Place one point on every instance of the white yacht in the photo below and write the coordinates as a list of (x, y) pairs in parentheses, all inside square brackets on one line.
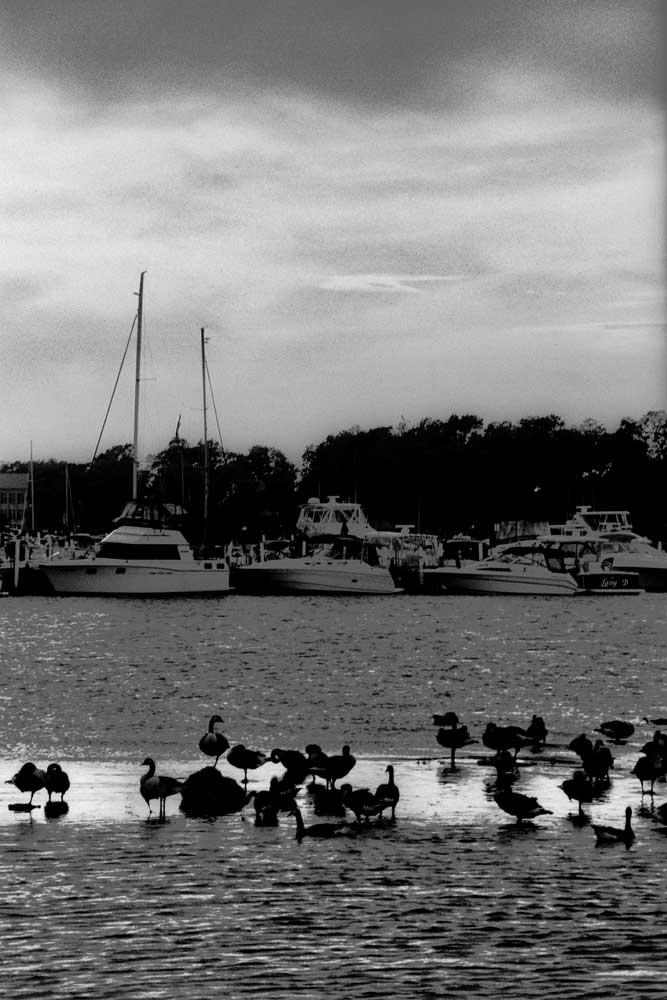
[(338, 565), (142, 556), (524, 567), (620, 546)]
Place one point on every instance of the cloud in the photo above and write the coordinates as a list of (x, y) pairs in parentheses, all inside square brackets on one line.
[(393, 283)]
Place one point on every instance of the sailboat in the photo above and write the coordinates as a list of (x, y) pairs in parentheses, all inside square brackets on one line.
[(141, 556)]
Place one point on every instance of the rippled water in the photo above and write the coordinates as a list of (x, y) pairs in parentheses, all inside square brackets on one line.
[(451, 898)]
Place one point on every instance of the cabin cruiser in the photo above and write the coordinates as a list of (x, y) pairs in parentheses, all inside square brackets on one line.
[(141, 557), (523, 567), (335, 565), (620, 546)]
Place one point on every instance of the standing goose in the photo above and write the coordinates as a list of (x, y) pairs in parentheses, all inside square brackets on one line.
[(57, 781), (246, 760), (338, 765), (157, 786), (360, 801), (453, 739), (649, 768), (613, 834), (578, 788), (294, 762), (521, 806), (537, 731), (213, 743), (317, 761), (388, 793), (29, 778)]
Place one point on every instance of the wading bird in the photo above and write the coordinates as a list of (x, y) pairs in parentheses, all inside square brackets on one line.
[(521, 806), (157, 786), (29, 778), (213, 743), (613, 834)]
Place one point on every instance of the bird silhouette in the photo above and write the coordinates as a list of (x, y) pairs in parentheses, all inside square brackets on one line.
[(318, 830), (213, 743), (649, 768), (157, 786), (616, 730), (57, 781), (578, 788), (388, 793), (615, 835), (246, 760), (537, 731), (581, 745), (453, 739), (29, 778), (338, 766), (520, 806), (504, 737)]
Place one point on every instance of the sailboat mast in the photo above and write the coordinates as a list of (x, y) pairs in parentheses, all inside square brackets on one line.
[(203, 376), (137, 380)]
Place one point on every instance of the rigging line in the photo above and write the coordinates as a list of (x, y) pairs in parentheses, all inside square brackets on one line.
[(215, 410), (113, 393)]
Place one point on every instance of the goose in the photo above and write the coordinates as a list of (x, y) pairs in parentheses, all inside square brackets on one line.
[(246, 760), (29, 778), (448, 720), (655, 722), (317, 761), (338, 766), (268, 802), (319, 830), (57, 781), (521, 806), (213, 743), (157, 786), (388, 793), (504, 737), (294, 762), (598, 763), (649, 768), (581, 745), (616, 730), (326, 801), (578, 788), (613, 834), (453, 740), (537, 731), (360, 801)]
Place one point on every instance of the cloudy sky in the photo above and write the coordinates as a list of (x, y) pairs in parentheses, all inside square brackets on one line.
[(379, 209)]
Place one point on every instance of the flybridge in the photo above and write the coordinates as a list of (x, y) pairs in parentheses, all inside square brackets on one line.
[(586, 520)]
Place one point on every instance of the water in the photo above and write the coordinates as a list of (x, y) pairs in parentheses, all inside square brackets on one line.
[(453, 897)]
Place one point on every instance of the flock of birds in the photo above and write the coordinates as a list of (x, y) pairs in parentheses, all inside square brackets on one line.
[(587, 782)]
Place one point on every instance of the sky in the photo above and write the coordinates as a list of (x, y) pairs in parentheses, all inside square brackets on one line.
[(379, 211)]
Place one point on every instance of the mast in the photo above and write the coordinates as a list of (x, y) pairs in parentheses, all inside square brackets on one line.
[(203, 377), (135, 442)]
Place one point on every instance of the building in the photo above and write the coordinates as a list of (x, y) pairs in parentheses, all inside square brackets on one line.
[(13, 498)]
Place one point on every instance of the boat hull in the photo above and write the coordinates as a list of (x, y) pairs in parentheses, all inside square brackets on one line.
[(295, 576), (609, 582), (493, 582), (86, 577)]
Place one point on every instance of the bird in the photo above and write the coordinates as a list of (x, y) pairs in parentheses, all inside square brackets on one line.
[(319, 830), (521, 806), (453, 739), (317, 761), (388, 793), (581, 745), (268, 802), (213, 743), (449, 720), (246, 760), (29, 778), (649, 768), (578, 788), (157, 786), (57, 781), (616, 730), (504, 737), (613, 834), (655, 722), (338, 765), (537, 731), (360, 801), (294, 762), (326, 801), (598, 762)]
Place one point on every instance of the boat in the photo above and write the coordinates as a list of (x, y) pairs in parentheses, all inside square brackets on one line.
[(143, 556), (620, 546), (525, 567), (335, 565)]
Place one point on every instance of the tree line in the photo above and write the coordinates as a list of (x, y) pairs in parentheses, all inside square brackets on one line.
[(442, 476)]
